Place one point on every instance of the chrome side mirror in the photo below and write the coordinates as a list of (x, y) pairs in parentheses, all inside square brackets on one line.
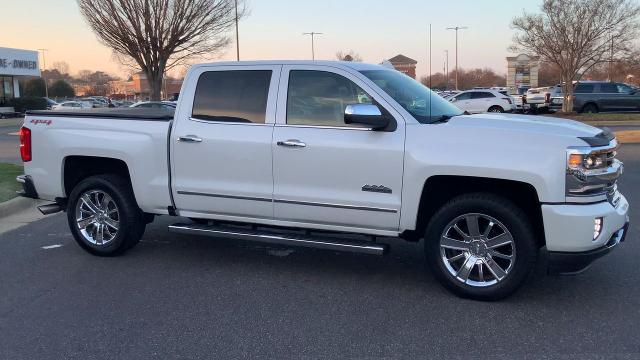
[(365, 114)]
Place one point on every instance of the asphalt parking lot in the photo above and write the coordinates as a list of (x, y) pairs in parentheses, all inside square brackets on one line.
[(186, 297)]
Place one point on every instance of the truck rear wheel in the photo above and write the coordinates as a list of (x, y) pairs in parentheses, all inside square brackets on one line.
[(103, 215), (480, 246)]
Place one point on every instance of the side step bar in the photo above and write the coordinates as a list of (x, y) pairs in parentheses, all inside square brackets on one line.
[(272, 237)]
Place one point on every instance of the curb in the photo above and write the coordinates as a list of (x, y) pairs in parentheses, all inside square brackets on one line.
[(15, 205), (628, 136), (611, 122)]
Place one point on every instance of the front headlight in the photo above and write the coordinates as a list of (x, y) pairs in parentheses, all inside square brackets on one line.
[(589, 161), (592, 173)]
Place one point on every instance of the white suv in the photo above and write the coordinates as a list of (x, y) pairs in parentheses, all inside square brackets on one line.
[(481, 101)]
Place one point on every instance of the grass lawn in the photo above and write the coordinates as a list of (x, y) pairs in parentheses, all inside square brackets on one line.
[(8, 183), (614, 119), (626, 119)]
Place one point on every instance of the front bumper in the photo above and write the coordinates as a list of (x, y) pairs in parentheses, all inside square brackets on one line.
[(569, 232), (572, 263)]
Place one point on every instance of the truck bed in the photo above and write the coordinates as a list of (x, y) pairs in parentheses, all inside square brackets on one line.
[(115, 113), (136, 137)]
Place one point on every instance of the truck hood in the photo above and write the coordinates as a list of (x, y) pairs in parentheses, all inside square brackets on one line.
[(528, 124)]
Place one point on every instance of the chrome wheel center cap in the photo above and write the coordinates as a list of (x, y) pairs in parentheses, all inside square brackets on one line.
[(478, 248)]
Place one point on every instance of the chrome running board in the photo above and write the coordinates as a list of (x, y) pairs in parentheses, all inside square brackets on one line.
[(271, 236)]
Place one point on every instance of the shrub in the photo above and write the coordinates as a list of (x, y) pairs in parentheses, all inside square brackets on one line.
[(34, 87), (27, 103)]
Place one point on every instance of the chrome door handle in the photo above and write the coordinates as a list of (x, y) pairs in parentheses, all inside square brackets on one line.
[(292, 143), (190, 138)]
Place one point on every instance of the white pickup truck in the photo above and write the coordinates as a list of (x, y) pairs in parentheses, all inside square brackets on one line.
[(336, 156)]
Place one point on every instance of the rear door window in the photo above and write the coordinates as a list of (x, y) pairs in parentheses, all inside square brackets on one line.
[(608, 88), (238, 96), (584, 89), (481, 95)]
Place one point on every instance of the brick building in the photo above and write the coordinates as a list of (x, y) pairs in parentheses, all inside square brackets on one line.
[(404, 64), (137, 88)]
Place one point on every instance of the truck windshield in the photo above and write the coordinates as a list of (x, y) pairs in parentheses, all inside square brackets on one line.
[(425, 105)]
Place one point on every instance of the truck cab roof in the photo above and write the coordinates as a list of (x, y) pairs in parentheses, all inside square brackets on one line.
[(357, 66)]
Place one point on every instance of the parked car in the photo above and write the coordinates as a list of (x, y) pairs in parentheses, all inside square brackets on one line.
[(124, 103), (540, 98), (481, 101), (334, 155), (95, 103), (72, 105), (154, 105), (50, 103), (597, 96)]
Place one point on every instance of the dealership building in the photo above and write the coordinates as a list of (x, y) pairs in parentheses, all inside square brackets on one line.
[(15, 64), (522, 73)]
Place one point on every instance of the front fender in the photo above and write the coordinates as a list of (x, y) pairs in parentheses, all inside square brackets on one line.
[(530, 158)]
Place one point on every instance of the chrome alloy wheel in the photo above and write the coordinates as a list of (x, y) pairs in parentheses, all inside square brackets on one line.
[(97, 217), (477, 249)]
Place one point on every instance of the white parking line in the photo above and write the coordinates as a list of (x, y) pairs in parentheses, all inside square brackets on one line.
[(52, 246)]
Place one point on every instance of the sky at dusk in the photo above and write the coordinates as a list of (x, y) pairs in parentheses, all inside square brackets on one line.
[(376, 30)]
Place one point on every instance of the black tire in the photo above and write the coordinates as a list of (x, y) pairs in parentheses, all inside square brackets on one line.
[(508, 215), (590, 109), (496, 109), (131, 220)]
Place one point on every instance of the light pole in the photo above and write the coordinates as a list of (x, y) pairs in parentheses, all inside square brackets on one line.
[(446, 68), (44, 67), (237, 34), (456, 29), (313, 50)]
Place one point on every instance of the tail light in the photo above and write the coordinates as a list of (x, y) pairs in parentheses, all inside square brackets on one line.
[(508, 100), (547, 98), (25, 144)]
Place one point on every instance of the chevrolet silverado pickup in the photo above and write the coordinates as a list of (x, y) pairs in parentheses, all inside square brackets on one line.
[(337, 156)]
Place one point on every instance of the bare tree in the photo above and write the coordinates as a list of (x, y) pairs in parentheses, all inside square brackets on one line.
[(61, 66), (575, 35), (84, 76), (157, 35), (348, 56)]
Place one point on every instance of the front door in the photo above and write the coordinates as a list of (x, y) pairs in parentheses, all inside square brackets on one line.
[(464, 102), (221, 149), (328, 173)]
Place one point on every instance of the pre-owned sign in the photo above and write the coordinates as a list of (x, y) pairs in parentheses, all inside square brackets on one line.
[(16, 62)]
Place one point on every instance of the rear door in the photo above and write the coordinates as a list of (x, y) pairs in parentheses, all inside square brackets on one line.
[(481, 101), (221, 147), (328, 173)]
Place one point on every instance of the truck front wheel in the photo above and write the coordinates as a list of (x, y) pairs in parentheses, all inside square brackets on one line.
[(103, 215), (480, 246)]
